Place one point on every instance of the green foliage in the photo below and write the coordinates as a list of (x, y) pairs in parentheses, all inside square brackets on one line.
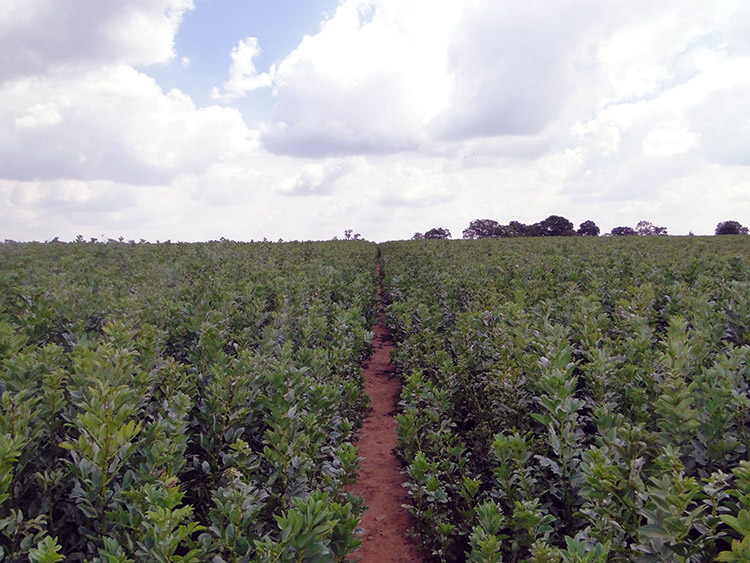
[(564, 399), (485, 539), (172, 402), (46, 551), (314, 529), (597, 390)]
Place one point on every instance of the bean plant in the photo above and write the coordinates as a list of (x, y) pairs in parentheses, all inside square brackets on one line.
[(595, 390), (182, 402)]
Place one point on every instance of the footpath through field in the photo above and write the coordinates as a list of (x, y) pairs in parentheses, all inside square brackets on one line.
[(380, 480)]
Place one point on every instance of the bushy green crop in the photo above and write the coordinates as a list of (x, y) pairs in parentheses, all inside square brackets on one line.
[(181, 402), (574, 400)]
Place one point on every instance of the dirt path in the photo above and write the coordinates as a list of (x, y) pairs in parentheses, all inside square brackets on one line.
[(380, 479)]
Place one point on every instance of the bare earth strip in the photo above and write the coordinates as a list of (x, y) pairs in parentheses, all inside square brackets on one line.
[(380, 480)]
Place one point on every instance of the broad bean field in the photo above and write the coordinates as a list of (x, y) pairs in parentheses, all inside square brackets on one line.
[(564, 399), (575, 399), (181, 402)]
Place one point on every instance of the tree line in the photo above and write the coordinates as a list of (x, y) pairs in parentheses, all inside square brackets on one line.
[(556, 226)]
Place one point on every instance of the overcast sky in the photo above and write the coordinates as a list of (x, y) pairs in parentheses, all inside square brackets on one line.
[(296, 119)]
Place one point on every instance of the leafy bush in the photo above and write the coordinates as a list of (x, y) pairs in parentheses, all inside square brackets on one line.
[(181, 402), (574, 400)]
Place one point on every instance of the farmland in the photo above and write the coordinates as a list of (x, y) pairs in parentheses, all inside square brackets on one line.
[(181, 402), (567, 399), (575, 399)]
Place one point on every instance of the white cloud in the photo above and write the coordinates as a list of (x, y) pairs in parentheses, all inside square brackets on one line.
[(414, 183), (243, 76), (669, 142), (366, 83), (319, 178), (65, 208), (723, 120), (42, 114), (514, 66), (37, 36), (676, 97), (396, 116), (112, 123)]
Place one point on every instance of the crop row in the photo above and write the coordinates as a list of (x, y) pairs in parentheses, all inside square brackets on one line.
[(181, 402), (575, 400)]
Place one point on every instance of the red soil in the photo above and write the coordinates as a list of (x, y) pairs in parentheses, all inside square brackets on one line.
[(380, 480)]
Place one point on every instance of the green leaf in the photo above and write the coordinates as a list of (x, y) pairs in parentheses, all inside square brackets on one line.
[(46, 551), (652, 531)]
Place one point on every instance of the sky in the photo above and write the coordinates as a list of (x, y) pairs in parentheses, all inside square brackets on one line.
[(191, 120)]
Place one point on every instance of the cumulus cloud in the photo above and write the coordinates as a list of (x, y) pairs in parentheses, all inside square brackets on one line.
[(65, 208), (111, 123), (243, 76), (71, 197), (722, 122), (40, 35), (319, 178), (385, 77), (89, 144), (420, 114), (411, 74), (669, 142), (662, 112), (513, 66), (366, 83)]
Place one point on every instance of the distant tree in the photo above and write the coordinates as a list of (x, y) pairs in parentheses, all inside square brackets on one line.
[(730, 228), (483, 228), (437, 233), (644, 228), (623, 232), (348, 234), (533, 230), (417, 236), (588, 229), (647, 228), (515, 229), (556, 226)]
